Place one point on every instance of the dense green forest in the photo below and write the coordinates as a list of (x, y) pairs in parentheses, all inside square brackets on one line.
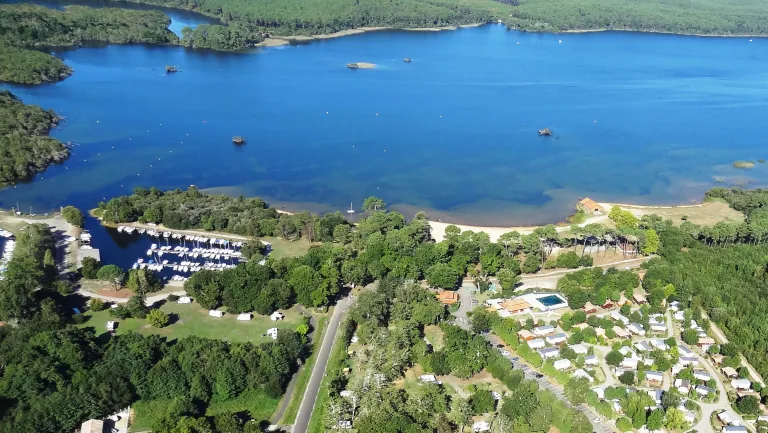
[(25, 147), (706, 17), (24, 29), (312, 17), (306, 17), (20, 65)]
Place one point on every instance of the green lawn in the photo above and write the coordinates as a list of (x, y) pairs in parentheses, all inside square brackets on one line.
[(191, 319), (283, 248), (289, 417)]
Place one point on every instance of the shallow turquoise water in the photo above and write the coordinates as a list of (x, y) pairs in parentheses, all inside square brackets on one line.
[(638, 118)]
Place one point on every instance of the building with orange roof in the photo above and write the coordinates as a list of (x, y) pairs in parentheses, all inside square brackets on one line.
[(588, 205), (517, 306), (447, 297)]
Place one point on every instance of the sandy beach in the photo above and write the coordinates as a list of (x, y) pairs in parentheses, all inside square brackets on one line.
[(283, 40)]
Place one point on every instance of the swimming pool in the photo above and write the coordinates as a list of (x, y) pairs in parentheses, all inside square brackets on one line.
[(551, 300)]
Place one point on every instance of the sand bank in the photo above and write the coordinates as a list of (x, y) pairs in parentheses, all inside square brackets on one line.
[(283, 40)]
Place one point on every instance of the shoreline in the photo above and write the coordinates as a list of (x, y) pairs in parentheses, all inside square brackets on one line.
[(658, 32), (277, 41), (438, 227)]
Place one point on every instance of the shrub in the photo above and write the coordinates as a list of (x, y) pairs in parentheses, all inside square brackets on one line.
[(90, 268), (627, 378), (624, 424), (96, 304), (172, 298), (157, 318)]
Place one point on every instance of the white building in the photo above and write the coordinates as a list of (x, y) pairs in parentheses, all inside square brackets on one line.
[(600, 391), (562, 364), (741, 384), (658, 327), (701, 375), (654, 377), (679, 316), (734, 429), (659, 344), (428, 378), (629, 363), (111, 325), (704, 390), (582, 373), (689, 360), (245, 316), (729, 418), (619, 318), (684, 351), (272, 333), (643, 346), (543, 330), (216, 313), (536, 343), (590, 360), (276, 316), (636, 328), (579, 349), (481, 426), (683, 385), (556, 338), (185, 300), (627, 352), (549, 353)]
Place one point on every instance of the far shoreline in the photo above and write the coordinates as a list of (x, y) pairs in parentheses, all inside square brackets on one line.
[(494, 232)]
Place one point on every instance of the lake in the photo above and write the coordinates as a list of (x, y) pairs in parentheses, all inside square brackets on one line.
[(641, 118)]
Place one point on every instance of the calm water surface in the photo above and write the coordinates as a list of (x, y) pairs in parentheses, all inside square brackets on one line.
[(637, 117)]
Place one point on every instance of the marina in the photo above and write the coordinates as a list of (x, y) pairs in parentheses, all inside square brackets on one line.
[(175, 256), (8, 244)]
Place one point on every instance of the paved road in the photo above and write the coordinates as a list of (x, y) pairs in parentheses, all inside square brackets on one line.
[(594, 417), (549, 279), (318, 372)]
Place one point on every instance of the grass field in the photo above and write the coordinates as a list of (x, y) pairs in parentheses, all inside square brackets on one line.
[(289, 417), (191, 319), (435, 336), (708, 214), (284, 248)]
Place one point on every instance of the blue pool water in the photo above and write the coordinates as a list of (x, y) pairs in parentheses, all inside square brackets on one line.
[(550, 300)]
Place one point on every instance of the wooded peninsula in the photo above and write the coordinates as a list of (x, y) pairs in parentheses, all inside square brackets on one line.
[(25, 147)]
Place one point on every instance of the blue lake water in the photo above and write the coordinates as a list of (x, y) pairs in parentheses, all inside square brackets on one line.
[(640, 118)]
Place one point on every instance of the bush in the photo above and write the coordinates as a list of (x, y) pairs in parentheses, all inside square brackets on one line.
[(73, 216), (120, 312), (586, 261), (172, 298), (568, 260), (64, 287), (624, 424), (96, 304), (157, 318), (627, 378), (136, 307)]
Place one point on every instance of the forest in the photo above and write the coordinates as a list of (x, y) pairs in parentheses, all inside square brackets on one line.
[(312, 17), (25, 147), (701, 17), (307, 17)]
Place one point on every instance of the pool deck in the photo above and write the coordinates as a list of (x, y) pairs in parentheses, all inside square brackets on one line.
[(533, 299)]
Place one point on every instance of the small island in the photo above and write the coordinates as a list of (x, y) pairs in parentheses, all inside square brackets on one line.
[(546, 132), (169, 69), (361, 65), (407, 60), (743, 164), (238, 139)]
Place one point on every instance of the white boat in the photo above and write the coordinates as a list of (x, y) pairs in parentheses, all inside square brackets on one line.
[(350, 210), (120, 228), (165, 262), (135, 266), (153, 246), (149, 252), (140, 261)]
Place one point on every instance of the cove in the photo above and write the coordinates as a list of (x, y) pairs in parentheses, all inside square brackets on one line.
[(179, 18), (640, 118)]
